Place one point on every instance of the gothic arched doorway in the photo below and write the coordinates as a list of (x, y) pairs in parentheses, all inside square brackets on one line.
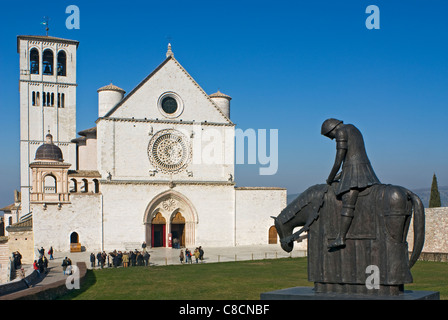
[(158, 231), (177, 230), (181, 215)]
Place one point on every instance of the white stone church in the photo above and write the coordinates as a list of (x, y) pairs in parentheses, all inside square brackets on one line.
[(147, 171)]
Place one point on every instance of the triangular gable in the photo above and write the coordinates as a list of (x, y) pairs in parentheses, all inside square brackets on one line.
[(152, 75)]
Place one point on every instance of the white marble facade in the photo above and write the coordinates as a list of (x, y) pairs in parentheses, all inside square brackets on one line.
[(158, 165)]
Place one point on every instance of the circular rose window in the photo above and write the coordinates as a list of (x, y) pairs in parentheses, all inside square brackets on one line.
[(170, 105), (169, 151)]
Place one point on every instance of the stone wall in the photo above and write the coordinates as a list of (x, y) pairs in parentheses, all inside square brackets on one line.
[(4, 259), (436, 230), (23, 242), (254, 207)]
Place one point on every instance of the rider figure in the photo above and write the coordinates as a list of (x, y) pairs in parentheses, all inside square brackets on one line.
[(356, 174)]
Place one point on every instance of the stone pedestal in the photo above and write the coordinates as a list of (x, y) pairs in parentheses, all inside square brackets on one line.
[(308, 293)]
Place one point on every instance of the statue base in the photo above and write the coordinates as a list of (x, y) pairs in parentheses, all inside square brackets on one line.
[(308, 293)]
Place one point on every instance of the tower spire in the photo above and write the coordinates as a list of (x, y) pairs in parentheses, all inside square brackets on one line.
[(169, 52)]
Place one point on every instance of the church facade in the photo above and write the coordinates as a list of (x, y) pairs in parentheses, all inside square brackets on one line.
[(157, 167)]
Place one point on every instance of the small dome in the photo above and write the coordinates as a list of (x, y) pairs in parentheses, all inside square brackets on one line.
[(111, 87), (219, 94), (49, 151)]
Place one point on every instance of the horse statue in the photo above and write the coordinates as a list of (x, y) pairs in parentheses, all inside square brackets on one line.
[(377, 237)]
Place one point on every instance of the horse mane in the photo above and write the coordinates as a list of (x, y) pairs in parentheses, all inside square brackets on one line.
[(311, 196)]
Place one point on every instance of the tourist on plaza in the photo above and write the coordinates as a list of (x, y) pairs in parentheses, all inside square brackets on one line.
[(201, 254), (146, 256), (188, 256), (125, 260), (36, 267), (196, 254), (99, 258), (45, 264), (181, 256), (50, 253), (92, 260), (64, 265), (139, 259), (17, 258)]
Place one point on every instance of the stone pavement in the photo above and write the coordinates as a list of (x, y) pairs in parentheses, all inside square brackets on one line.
[(169, 256)]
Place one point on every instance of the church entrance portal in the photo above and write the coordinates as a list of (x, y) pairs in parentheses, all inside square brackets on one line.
[(158, 229), (177, 230), (170, 220)]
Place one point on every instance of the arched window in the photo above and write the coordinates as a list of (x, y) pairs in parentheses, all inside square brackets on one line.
[(33, 99), (96, 185), (74, 237), (34, 61), (62, 63), (272, 235), (73, 185), (37, 98), (85, 186), (50, 184), (47, 63)]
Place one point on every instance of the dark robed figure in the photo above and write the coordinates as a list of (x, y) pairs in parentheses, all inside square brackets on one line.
[(356, 174)]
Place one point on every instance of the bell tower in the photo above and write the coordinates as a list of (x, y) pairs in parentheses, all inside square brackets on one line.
[(47, 86)]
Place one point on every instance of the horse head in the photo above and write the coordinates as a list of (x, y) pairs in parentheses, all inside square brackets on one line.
[(286, 241)]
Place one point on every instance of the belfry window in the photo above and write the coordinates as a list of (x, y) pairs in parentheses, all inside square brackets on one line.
[(34, 61), (50, 184), (47, 62), (62, 63)]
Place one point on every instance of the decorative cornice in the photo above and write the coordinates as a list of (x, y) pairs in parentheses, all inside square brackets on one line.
[(34, 82), (167, 183), (166, 121), (44, 164)]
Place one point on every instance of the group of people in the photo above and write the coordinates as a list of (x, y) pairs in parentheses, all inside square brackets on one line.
[(198, 254), (41, 265), (119, 258)]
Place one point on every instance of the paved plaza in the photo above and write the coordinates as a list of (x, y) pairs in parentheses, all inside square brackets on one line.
[(169, 256)]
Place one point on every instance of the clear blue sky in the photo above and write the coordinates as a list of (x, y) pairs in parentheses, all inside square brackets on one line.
[(288, 65)]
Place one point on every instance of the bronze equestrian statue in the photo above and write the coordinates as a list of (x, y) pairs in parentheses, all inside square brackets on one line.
[(354, 222)]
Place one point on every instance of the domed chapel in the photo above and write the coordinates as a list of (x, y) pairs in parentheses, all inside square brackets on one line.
[(144, 172)]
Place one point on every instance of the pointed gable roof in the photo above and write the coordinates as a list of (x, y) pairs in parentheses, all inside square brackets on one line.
[(168, 58)]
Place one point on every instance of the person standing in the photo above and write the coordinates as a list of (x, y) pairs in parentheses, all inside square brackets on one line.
[(92, 260), (64, 265), (50, 253), (146, 257), (36, 267), (196, 254), (125, 260), (187, 255), (181, 256), (201, 254)]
